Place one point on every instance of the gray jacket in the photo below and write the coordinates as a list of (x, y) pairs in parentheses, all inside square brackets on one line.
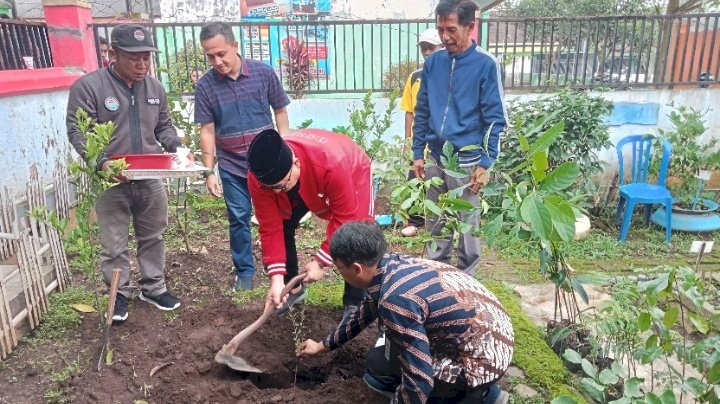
[(140, 113)]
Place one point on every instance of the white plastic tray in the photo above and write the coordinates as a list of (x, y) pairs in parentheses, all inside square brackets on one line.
[(159, 174)]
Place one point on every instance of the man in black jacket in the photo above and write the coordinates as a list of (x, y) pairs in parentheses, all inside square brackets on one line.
[(137, 103)]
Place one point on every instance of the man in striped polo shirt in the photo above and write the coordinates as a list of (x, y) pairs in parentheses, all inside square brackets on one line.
[(234, 102), (447, 337)]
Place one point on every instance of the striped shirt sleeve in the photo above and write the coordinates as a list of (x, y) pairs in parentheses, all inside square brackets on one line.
[(352, 325)]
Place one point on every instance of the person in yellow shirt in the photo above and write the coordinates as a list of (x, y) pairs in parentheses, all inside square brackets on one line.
[(429, 41)]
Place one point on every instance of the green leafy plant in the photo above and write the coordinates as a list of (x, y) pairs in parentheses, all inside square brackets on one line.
[(689, 154), (305, 124), (583, 135), (367, 127), (668, 305), (605, 386), (90, 183), (615, 324), (535, 210), (180, 66)]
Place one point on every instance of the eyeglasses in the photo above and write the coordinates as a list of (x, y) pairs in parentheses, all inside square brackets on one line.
[(279, 187)]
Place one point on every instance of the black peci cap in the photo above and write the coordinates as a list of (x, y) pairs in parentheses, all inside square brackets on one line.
[(269, 157)]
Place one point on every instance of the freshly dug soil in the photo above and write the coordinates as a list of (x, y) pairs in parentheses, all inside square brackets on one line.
[(186, 341)]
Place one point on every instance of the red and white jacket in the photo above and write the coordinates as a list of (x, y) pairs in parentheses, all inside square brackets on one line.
[(335, 184)]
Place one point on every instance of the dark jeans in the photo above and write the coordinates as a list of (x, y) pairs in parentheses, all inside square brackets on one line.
[(237, 201), (352, 295), (387, 374)]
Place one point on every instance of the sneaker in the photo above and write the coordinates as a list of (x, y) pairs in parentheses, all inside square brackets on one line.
[(164, 301), (377, 386), (409, 231), (243, 283), (294, 298), (121, 308)]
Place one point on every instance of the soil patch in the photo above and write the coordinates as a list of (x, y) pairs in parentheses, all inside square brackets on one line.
[(183, 343)]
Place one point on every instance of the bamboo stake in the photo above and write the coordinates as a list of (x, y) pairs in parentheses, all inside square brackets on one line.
[(5, 339)]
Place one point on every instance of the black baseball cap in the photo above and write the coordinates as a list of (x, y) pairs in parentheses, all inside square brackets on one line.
[(132, 38)]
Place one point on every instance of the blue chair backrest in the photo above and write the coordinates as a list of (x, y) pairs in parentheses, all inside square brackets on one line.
[(641, 157)]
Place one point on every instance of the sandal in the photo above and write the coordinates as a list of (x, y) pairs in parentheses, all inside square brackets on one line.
[(293, 298), (409, 231)]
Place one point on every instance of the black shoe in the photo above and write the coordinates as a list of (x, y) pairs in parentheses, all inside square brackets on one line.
[(293, 298), (163, 301), (121, 308)]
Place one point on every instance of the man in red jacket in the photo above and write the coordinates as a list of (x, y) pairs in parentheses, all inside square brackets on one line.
[(309, 170)]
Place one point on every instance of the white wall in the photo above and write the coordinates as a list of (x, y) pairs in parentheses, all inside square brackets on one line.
[(32, 134), (327, 113)]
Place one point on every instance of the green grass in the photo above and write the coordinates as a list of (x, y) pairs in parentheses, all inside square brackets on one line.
[(603, 252), (61, 317), (243, 297), (532, 354), (72, 368), (326, 293), (57, 396), (207, 202)]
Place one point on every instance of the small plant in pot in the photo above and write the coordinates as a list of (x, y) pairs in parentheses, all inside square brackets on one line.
[(691, 165)]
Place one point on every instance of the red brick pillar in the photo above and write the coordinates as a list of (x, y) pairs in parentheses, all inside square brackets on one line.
[(70, 33)]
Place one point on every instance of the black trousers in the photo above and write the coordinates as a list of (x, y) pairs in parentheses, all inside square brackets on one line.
[(352, 296), (388, 373)]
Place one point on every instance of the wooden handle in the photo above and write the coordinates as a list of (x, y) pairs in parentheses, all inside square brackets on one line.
[(114, 284), (232, 346)]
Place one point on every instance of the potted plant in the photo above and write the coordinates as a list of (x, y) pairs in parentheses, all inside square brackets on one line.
[(691, 165)]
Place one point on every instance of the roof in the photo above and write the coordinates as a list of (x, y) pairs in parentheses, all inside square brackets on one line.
[(32, 9)]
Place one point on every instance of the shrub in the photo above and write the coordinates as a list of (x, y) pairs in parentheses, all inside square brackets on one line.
[(396, 76), (181, 64), (689, 155), (584, 134)]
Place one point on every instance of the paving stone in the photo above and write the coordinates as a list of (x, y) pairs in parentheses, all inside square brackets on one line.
[(514, 372), (524, 391)]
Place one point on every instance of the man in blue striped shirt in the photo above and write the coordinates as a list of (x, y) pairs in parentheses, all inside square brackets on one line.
[(233, 103), (447, 337)]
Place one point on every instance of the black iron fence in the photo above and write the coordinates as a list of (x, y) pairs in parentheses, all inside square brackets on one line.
[(589, 52), (24, 45), (539, 53), (309, 57)]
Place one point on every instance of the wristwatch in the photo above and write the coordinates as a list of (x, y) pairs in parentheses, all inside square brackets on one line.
[(208, 173)]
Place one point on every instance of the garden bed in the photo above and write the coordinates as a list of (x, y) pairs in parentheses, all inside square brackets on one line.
[(185, 342)]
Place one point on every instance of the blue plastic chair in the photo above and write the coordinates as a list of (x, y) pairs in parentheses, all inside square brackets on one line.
[(637, 190)]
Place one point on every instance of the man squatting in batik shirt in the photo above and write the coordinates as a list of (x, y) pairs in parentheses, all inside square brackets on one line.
[(447, 337)]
